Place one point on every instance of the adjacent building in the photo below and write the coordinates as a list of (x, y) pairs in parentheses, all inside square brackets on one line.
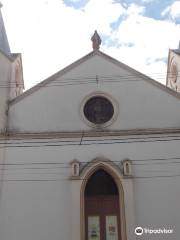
[(173, 69)]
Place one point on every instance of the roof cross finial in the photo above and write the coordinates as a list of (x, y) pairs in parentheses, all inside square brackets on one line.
[(96, 41)]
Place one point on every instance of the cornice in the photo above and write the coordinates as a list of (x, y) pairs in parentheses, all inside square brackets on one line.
[(78, 134)]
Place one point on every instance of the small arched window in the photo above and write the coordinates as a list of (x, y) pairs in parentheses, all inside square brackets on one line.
[(101, 183)]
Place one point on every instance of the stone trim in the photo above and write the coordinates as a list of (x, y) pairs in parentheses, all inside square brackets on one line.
[(115, 172), (107, 96), (92, 133)]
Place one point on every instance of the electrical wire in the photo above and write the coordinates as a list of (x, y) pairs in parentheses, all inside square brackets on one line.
[(82, 138), (93, 142), (81, 80), (67, 179), (93, 80), (109, 76), (89, 162), (59, 165)]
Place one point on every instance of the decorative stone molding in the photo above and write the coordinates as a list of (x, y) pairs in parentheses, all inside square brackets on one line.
[(126, 196), (110, 99), (127, 168), (114, 170), (75, 168)]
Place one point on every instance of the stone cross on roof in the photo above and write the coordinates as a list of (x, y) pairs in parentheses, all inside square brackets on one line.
[(96, 41)]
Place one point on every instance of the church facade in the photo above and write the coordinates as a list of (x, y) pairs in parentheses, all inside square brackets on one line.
[(91, 153)]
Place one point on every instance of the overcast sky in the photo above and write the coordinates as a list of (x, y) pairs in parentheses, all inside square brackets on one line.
[(51, 34)]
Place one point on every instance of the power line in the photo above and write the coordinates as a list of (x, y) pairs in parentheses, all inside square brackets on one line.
[(33, 168), (59, 164), (67, 179), (169, 73), (155, 163), (83, 136), (92, 142), (83, 80)]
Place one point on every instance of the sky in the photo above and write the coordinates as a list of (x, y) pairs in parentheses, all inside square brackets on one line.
[(51, 34)]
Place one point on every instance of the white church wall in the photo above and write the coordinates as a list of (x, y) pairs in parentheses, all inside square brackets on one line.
[(5, 71), (48, 209), (39, 199), (157, 208), (56, 108)]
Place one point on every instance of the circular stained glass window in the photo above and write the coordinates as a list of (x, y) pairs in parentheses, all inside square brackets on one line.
[(98, 110)]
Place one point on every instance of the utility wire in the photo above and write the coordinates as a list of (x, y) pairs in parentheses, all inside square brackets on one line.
[(82, 80), (67, 165), (109, 76), (90, 139), (92, 142), (67, 179)]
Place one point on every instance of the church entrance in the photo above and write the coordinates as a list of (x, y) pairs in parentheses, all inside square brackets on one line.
[(102, 211)]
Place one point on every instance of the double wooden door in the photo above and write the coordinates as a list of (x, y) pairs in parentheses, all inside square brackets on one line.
[(102, 217)]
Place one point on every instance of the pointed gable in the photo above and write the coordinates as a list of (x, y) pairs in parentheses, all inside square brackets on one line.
[(56, 104)]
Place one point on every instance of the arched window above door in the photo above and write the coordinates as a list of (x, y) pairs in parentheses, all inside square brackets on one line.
[(101, 183)]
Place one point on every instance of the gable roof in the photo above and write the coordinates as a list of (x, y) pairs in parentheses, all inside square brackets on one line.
[(12, 57), (85, 58), (177, 51)]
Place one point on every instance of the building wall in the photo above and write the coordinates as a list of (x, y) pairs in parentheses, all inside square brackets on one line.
[(39, 201), (38, 197), (56, 106), (5, 76)]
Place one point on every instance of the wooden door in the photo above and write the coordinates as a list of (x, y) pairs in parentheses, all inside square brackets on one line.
[(102, 217), (102, 211)]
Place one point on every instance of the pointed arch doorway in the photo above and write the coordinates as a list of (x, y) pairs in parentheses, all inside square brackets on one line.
[(102, 210)]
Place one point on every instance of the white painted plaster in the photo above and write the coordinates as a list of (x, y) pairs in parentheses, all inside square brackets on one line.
[(56, 108)]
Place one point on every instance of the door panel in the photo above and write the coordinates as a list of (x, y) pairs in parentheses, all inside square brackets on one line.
[(111, 228), (106, 209), (93, 228)]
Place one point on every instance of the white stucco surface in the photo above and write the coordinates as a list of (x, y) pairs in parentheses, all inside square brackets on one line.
[(56, 106), (5, 73), (39, 200)]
